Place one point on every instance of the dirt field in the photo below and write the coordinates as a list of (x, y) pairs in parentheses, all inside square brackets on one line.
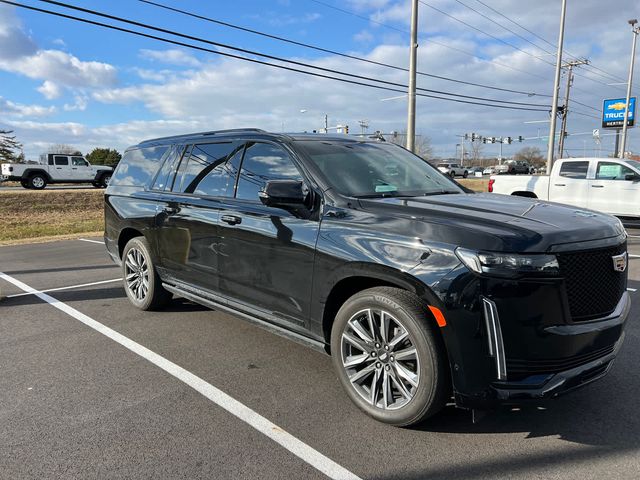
[(27, 215)]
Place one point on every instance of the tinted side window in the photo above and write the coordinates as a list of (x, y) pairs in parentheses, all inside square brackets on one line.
[(206, 172), (138, 166), (612, 171), (262, 162), (574, 169), (61, 160), (78, 161), (165, 175)]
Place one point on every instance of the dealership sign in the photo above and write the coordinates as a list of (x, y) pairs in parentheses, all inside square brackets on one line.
[(613, 111)]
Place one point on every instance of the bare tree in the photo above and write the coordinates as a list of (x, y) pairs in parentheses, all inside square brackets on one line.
[(64, 149), (533, 155), (422, 144)]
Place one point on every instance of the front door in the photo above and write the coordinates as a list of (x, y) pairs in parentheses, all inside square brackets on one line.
[(609, 192), (267, 254), (80, 169)]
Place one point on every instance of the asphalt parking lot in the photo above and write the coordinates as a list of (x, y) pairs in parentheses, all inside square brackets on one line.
[(78, 400)]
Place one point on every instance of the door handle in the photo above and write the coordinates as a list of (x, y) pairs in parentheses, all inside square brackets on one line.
[(560, 184), (231, 219), (597, 186), (74, 168)]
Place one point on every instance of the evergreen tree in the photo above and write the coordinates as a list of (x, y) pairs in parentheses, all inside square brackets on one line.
[(104, 156), (9, 146)]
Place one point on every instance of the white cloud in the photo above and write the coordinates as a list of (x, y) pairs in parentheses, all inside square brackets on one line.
[(172, 56), (49, 90), (9, 108), (363, 36), (79, 104), (19, 54)]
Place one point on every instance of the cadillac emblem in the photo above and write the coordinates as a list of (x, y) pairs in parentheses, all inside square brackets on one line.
[(620, 262)]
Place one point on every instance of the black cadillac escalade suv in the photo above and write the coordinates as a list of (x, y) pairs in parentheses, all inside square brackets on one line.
[(420, 290)]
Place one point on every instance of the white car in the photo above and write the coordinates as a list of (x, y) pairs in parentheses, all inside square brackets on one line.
[(489, 171), (453, 169)]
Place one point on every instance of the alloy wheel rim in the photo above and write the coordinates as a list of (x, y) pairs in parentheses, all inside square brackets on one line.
[(380, 359), (38, 182), (137, 274)]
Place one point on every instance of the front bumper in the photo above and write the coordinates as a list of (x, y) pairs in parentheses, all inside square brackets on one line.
[(583, 370)]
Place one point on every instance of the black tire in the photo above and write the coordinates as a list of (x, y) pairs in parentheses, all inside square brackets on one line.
[(37, 181), (96, 184), (465, 174), (155, 297), (452, 174), (105, 179), (25, 184), (431, 365)]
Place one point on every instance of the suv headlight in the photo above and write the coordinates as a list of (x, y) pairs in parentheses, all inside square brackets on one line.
[(509, 264)]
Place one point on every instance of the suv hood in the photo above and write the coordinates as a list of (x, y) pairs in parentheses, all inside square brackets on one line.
[(497, 222)]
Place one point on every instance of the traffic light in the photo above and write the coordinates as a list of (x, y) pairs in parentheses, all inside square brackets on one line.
[(521, 138), (346, 129)]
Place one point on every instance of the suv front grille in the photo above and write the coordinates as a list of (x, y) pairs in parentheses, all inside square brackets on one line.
[(593, 287), (518, 369)]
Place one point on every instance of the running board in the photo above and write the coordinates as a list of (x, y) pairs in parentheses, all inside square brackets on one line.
[(270, 327)]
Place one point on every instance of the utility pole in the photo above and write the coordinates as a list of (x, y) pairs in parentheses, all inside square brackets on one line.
[(556, 90), (411, 110), (565, 111), (635, 30)]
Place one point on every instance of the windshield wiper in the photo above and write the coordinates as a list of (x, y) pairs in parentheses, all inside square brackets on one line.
[(384, 195)]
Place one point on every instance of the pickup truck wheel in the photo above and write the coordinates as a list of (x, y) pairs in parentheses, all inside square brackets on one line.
[(465, 174), (141, 281), (105, 180), (25, 184), (388, 356), (37, 181)]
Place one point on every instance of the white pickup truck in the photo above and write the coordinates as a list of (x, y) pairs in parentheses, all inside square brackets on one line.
[(57, 168), (607, 185)]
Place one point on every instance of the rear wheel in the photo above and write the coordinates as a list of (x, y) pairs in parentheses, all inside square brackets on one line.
[(465, 174), (388, 356), (37, 181), (141, 281)]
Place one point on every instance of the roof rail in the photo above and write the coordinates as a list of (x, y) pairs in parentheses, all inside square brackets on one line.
[(196, 134)]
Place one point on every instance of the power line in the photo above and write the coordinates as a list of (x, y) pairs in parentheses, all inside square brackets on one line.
[(539, 37), (435, 42), (226, 54), (332, 52), (280, 59)]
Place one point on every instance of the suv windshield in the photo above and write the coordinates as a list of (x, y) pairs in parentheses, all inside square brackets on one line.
[(376, 170)]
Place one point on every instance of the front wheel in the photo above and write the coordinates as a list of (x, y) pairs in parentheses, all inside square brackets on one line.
[(141, 281), (388, 356), (105, 180)]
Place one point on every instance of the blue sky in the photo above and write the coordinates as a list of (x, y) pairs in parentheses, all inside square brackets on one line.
[(66, 82)]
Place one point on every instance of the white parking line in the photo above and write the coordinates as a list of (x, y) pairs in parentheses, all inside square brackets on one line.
[(300, 449), (71, 287), (91, 241)]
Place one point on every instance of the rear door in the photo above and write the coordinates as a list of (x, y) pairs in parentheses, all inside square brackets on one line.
[(61, 168), (609, 192), (188, 236), (266, 255), (570, 186)]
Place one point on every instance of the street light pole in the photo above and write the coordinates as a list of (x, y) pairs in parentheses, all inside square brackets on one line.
[(411, 109), (556, 91), (623, 142)]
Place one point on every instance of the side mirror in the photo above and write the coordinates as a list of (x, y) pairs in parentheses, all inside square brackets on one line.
[(633, 177), (284, 194)]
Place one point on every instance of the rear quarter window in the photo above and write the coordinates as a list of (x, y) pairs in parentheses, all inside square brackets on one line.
[(577, 170), (138, 166)]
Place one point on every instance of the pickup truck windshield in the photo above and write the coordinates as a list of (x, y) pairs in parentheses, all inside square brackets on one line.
[(370, 170)]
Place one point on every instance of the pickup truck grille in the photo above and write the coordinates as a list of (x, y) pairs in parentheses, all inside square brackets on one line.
[(593, 287)]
